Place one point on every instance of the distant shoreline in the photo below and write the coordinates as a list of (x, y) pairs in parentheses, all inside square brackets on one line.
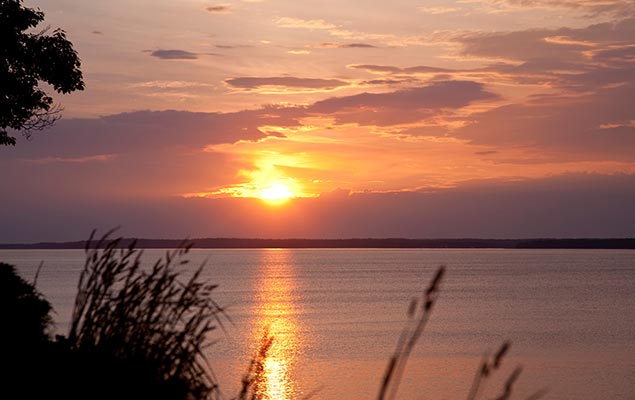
[(391, 243)]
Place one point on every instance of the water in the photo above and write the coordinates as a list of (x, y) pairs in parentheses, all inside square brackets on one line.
[(336, 316)]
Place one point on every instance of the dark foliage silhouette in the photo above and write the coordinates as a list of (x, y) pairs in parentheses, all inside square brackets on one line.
[(146, 319), (24, 336), (23, 310), (28, 58), (137, 332)]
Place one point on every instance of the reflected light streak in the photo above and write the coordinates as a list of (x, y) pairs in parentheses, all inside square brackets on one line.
[(275, 314)]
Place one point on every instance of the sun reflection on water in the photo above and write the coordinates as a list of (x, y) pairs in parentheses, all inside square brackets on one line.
[(276, 315)]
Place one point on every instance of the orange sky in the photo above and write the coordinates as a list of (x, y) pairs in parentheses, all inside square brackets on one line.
[(197, 99)]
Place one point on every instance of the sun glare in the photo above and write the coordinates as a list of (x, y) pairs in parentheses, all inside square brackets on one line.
[(276, 193)]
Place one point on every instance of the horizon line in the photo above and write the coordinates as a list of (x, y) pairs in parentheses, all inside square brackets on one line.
[(389, 242)]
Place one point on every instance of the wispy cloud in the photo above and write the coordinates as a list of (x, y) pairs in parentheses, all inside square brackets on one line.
[(383, 69), (331, 45), (285, 81), (232, 46), (299, 52), (316, 24), (72, 160), (355, 36), (174, 54), (439, 10), (169, 84), (590, 8), (219, 9)]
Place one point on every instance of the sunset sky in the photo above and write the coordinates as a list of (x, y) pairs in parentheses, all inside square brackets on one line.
[(313, 119)]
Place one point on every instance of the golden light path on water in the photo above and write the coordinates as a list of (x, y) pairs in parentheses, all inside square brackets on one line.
[(275, 316)]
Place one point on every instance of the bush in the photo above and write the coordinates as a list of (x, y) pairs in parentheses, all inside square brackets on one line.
[(136, 333)]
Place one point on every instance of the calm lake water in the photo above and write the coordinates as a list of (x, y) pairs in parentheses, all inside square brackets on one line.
[(336, 315)]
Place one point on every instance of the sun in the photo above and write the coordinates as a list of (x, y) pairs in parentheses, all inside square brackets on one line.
[(276, 193)]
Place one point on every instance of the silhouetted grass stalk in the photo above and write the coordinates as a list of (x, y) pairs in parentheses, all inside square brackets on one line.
[(252, 381), (146, 315), (409, 337), (418, 316)]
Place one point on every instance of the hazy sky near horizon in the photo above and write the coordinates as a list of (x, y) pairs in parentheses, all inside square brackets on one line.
[(446, 118)]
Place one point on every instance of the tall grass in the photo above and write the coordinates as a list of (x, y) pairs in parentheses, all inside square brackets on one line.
[(419, 313), (147, 317), (253, 379)]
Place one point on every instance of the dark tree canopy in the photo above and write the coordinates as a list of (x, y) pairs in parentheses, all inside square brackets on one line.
[(27, 59)]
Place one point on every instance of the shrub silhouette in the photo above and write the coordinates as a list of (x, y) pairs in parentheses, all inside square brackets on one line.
[(146, 324), (136, 333), (24, 337), (25, 312)]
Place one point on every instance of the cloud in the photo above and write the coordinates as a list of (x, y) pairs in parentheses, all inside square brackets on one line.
[(439, 10), (285, 81), (590, 74), (357, 46), (330, 45), (232, 46), (579, 59), (590, 8), (591, 127), (219, 9), (564, 44), (382, 69), (378, 69), (386, 82), (314, 24), (623, 55), (452, 94), (299, 51), (73, 160), (168, 85), (355, 36), (587, 78), (551, 207), (402, 106), (174, 55), (148, 132)]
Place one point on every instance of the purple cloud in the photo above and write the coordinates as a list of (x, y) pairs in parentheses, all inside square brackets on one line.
[(595, 127), (174, 55), (285, 81), (218, 9), (591, 8), (402, 106), (398, 70), (330, 45)]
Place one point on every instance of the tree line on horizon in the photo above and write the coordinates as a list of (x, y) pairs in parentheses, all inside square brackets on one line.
[(211, 243)]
